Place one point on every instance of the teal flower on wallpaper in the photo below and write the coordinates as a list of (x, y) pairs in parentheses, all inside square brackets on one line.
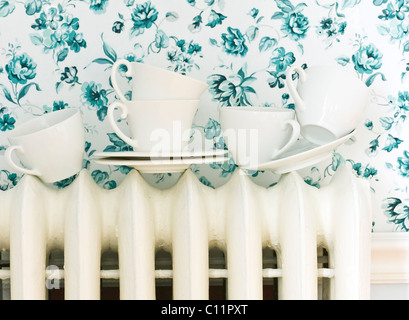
[(95, 97), (99, 6), (212, 129), (294, 23), (403, 164), (8, 180), (69, 75), (59, 33), (214, 18), (234, 43), (21, 68), (281, 59), (6, 7), (397, 213), (394, 9), (367, 59), (296, 26), (183, 57), (331, 29), (232, 91), (143, 17), (225, 169), (7, 122)]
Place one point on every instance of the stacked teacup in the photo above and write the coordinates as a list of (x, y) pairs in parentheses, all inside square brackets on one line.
[(329, 104), (161, 111)]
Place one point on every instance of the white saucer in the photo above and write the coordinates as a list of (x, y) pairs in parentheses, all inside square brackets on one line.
[(158, 155), (303, 154), (160, 166)]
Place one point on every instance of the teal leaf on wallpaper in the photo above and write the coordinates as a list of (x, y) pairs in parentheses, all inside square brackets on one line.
[(6, 7), (102, 61), (383, 30), (373, 145), (215, 19), (99, 176), (108, 50), (379, 2), (36, 39), (406, 46), (206, 182), (195, 25), (349, 3), (161, 39), (25, 90), (117, 144), (284, 5), (7, 94), (62, 55), (392, 143), (343, 60), (386, 122), (371, 78), (403, 164), (277, 15), (267, 43), (252, 32), (172, 16), (33, 6)]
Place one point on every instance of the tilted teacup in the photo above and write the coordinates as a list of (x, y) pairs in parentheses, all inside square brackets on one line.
[(329, 102), (256, 135), (50, 146), (155, 126), (154, 83)]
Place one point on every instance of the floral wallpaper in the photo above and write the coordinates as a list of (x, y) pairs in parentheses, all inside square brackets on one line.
[(57, 54)]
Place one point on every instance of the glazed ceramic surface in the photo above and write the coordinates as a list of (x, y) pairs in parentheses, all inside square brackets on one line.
[(156, 125), (50, 147), (330, 102), (153, 83), (256, 135)]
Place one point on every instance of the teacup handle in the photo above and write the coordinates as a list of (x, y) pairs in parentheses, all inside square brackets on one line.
[(114, 73), (8, 154), (294, 136), (293, 90), (112, 122)]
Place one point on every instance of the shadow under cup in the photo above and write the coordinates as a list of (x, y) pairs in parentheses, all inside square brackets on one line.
[(50, 146)]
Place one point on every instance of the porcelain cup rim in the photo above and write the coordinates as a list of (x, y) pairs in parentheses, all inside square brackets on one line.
[(15, 133)]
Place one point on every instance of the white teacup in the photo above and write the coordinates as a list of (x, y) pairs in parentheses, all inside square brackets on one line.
[(153, 83), (329, 102), (50, 146), (156, 126), (256, 135)]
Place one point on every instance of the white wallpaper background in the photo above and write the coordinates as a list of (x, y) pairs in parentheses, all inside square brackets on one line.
[(58, 54)]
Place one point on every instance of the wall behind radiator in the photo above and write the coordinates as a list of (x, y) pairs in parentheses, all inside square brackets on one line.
[(58, 54)]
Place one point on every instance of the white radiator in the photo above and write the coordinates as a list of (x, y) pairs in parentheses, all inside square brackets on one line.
[(240, 217)]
